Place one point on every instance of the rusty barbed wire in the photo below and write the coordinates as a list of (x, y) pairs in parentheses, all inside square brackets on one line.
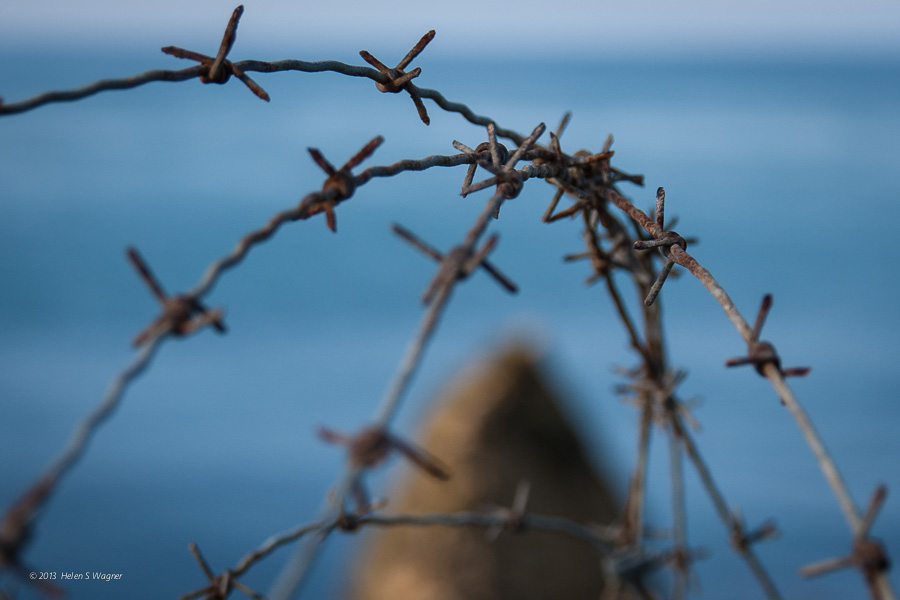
[(867, 554), (339, 180), (512, 520), (182, 314), (220, 586), (218, 69), (654, 383), (586, 177), (664, 241), (294, 573), (19, 519), (398, 79), (741, 540), (175, 320), (760, 353), (479, 260), (372, 446), (771, 369)]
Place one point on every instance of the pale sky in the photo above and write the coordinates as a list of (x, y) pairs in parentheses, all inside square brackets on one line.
[(556, 27)]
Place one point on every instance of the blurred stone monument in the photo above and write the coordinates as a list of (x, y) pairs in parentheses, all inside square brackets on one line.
[(499, 423)]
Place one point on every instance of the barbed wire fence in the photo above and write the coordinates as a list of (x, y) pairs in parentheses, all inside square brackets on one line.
[(619, 238)]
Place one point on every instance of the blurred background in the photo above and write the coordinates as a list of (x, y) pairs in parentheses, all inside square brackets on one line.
[(772, 126)]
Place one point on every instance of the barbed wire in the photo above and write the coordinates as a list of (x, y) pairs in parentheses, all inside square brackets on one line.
[(611, 245)]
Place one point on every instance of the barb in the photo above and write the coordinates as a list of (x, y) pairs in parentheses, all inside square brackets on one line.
[(371, 447), (439, 298), (664, 241), (339, 181), (311, 205), (220, 586), (218, 69), (398, 79), (760, 353), (182, 314), (458, 264), (867, 555)]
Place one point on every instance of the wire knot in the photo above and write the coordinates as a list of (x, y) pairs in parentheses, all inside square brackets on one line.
[(576, 173), (219, 76), (870, 557), (342, 183), (763, 353), (502, 152), (586, 166), (397, 79), (509, 183), (501, 164), (180, 309), (671, 238)]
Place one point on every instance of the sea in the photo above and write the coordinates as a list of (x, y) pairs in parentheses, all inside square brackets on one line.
[(785, 168)]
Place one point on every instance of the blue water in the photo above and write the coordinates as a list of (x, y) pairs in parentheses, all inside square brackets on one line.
[(786, 171)]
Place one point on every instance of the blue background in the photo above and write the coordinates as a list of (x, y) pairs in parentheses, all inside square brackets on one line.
[(785, 167)]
